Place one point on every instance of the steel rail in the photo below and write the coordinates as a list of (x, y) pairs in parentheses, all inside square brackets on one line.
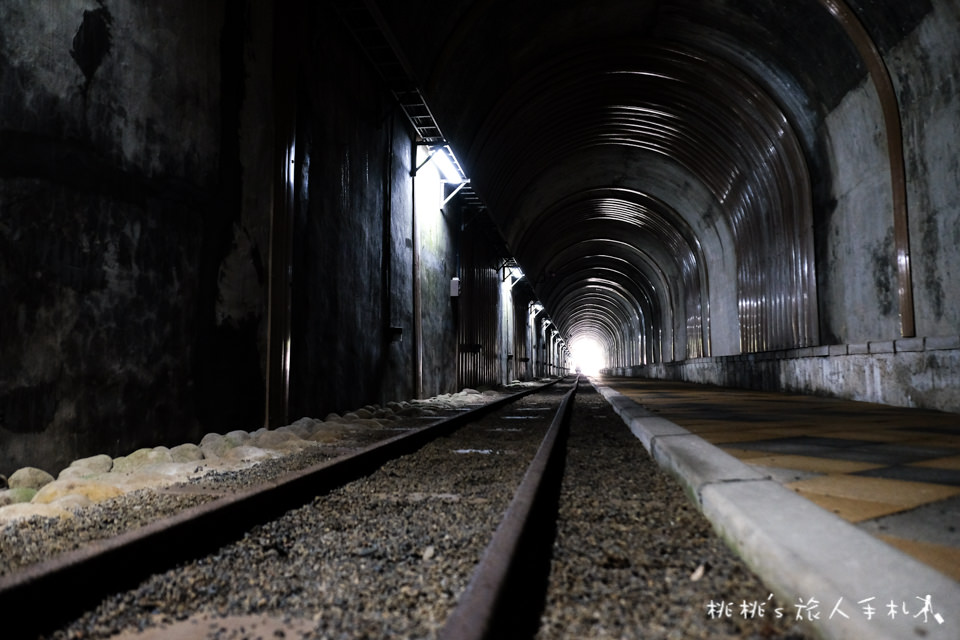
[(76, 581), (480, 608)]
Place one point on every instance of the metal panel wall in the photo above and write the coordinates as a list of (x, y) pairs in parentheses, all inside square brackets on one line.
[(522, 362), (479, 302)]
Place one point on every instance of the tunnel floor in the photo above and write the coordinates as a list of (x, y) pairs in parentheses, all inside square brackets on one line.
[(849, 509), (893, 472)]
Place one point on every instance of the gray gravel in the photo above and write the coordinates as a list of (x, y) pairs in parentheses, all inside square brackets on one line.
[(23, 543), (382, 557), (633, 557), (388, 555), (37, 539)]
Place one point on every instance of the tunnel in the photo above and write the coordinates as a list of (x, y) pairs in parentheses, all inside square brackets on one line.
[(229, 215), (739, 220)]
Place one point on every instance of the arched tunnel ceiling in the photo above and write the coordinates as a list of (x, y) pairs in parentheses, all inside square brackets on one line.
[(645, 158)]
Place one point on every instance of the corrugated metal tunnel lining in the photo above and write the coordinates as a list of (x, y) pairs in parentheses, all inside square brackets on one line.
[(701, 114), (663, 163), (581, 237)]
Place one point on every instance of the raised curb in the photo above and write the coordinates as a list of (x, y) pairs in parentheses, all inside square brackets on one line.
[(798, 549), (700, 464)]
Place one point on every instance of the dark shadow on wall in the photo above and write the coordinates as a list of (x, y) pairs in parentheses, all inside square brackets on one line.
[(91, 44), (230, 386)]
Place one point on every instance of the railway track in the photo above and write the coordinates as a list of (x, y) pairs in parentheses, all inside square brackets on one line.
[(381, 542), (537, 516)]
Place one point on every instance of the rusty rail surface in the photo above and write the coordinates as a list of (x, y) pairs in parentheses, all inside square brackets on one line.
[(484, 609), (121, 562)]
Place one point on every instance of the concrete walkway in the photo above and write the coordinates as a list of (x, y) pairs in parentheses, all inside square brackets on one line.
[(849, 510)]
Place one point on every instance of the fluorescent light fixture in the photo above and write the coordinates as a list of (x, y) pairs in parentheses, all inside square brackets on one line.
[(513, 274), (442, 158)]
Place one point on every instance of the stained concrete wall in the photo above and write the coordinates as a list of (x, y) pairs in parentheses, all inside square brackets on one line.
[(137, 162), (229, 360), (911, 372), (354, 333), (436, 232), (926, 77), (111, 186), (349, 161), (858, 273), (371, 236)]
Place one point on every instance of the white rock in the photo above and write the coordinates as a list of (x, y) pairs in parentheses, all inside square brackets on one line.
[(249, 454), (270, 439), (29, 478), (94, 464), (237, 437), (186, 453), (15, 496), (302, 427), (94, 491), (214, 445), (72, 502), (141, 458), (24, 510)]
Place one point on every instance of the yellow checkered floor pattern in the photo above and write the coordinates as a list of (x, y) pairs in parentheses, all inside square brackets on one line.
[(894, 472)]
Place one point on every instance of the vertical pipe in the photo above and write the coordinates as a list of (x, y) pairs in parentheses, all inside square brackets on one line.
[(281, 214), (417, 307), (386, 240)]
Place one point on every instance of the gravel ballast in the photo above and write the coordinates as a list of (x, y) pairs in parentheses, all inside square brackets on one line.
[(634, 558), (384, 556), (74, 520), (388, 555)]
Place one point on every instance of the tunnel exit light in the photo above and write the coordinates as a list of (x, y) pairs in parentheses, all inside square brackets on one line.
[(588, 355)]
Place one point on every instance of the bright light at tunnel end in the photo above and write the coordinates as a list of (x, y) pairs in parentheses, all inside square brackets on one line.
[(588, 355)]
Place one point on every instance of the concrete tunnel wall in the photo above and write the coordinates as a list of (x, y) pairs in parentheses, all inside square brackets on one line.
[(137, 153), (859, 289), (120, 203), (139, 203)]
